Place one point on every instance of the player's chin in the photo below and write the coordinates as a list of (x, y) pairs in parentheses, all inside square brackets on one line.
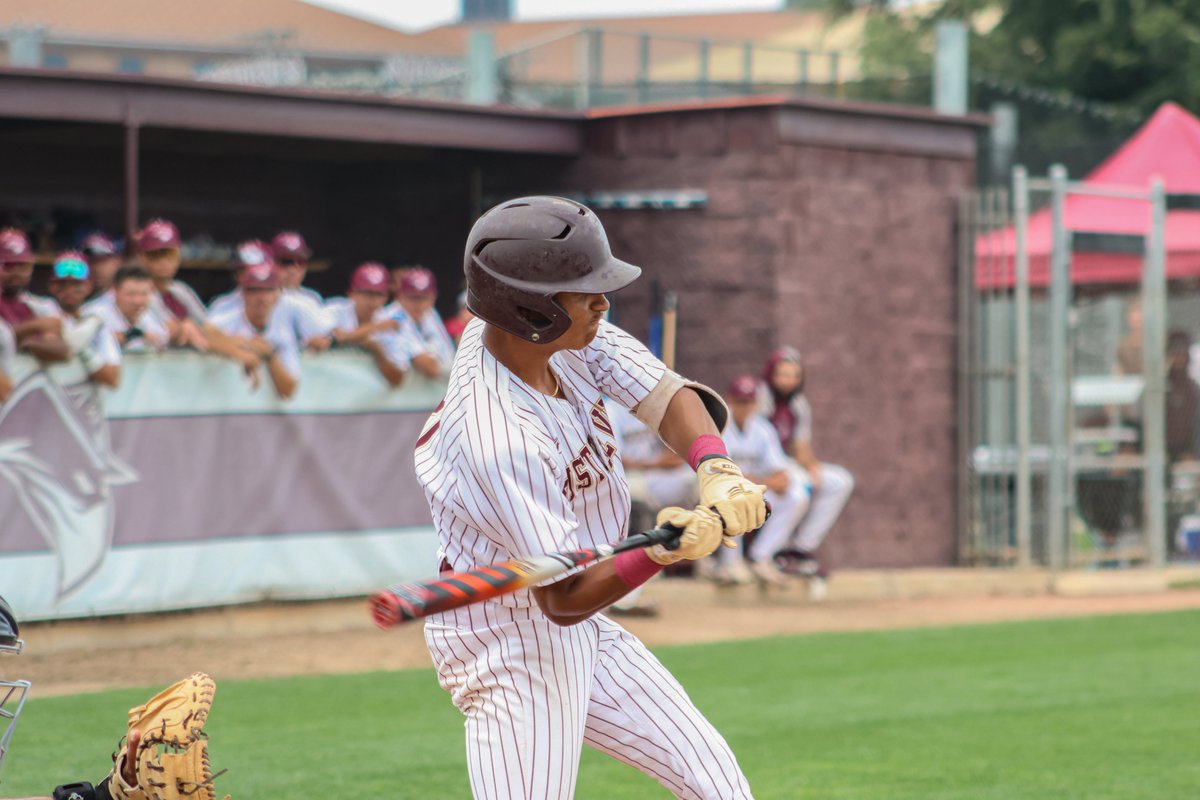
[(582, 336)]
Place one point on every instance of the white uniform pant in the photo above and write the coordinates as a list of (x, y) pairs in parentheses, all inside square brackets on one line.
[(788, 509), (534, 692), (826, 505)]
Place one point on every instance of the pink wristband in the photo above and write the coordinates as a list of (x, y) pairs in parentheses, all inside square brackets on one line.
[(634, 567), (704, 446)]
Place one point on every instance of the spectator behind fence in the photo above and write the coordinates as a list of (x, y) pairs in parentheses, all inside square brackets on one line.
[(754, 446), (359, 321), (35, 328), (1129, 349), (307, 317), (103, 258), (85, 334), (179, 308), (258, 333), (782, 401), (1183, 401), (125, 312), (416, 291)]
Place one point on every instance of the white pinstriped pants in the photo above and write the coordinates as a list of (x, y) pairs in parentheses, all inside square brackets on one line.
[(534, 692)]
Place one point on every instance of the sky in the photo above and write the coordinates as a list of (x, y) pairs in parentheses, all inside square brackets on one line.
[(413, 15)]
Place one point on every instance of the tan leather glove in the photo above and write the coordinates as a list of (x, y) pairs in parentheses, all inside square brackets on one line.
[(738, 501), (701, 534), (172, 754)]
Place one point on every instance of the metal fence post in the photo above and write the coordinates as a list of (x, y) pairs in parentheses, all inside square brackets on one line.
[(969, 546), (1060, 378), (748, 66), (1154, 313), (1024, 478), (643, 74)]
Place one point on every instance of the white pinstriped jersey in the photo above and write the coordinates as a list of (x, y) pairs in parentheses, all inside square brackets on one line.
[(755, 448), (511, 472), (508, 472)]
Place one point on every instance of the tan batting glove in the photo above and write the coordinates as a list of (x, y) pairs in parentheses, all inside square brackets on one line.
[(738, 501), (701, 534)]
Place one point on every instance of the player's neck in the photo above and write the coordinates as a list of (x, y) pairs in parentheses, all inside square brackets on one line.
[(528, 361)]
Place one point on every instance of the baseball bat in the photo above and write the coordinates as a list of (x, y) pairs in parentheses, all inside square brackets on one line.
[(405, 602), (669, 321)]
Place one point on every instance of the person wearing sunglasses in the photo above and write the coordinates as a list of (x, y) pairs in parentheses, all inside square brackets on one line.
[(292, 254), (85, 334), (104, 259)]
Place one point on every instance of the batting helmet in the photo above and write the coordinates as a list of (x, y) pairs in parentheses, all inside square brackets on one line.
[(524, 251)]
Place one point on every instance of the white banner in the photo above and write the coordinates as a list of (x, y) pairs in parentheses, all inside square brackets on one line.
[(185, 489)]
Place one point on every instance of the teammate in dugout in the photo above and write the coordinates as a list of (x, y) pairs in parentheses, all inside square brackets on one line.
[(520, 459)]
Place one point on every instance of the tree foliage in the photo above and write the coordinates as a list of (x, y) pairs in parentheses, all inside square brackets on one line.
[(1133, 53)]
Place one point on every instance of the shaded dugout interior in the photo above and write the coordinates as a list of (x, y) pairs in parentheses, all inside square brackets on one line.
[(826, 225)]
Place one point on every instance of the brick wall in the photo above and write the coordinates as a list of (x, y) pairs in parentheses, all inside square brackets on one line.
[(844, 251)]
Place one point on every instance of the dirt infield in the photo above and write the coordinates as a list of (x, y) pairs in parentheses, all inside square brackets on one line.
[(336, 637)]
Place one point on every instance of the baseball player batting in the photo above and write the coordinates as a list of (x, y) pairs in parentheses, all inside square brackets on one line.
[(519, 460)]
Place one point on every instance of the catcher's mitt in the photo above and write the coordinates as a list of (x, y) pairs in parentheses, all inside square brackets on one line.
[(171, 746)]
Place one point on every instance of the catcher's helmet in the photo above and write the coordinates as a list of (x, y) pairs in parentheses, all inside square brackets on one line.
[(524, 251), (12, 693)]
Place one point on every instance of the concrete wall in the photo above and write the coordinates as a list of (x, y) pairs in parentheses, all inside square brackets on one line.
[(829, 231)]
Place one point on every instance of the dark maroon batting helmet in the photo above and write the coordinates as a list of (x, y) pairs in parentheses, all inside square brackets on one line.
[(524, 251)]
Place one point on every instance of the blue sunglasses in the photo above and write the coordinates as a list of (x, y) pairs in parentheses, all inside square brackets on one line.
[(71, 269)]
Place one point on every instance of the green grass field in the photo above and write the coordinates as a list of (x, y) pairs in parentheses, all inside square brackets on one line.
[(1103, 707)]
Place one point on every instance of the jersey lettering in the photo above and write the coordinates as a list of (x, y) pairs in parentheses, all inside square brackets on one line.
[(600, 418)]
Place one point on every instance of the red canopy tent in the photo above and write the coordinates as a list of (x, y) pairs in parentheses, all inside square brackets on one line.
[(1167, 146)]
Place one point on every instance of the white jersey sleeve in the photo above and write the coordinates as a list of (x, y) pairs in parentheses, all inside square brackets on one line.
[(307, 317), (230, 321), (104, 345), (622, 367), (804, 422), (8, 348), (772, 456), (41, 306), (224, 302), (509, 487)]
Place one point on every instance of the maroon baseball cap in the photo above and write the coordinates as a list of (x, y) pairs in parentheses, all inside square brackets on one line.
[(254, 252), (743, 387), (370, 277), (418, 282), (290, 245), (98, 245), (159, 234), (15, 247), (264, 275)]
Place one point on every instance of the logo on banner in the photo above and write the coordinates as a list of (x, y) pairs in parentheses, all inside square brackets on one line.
[(55, 456)]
